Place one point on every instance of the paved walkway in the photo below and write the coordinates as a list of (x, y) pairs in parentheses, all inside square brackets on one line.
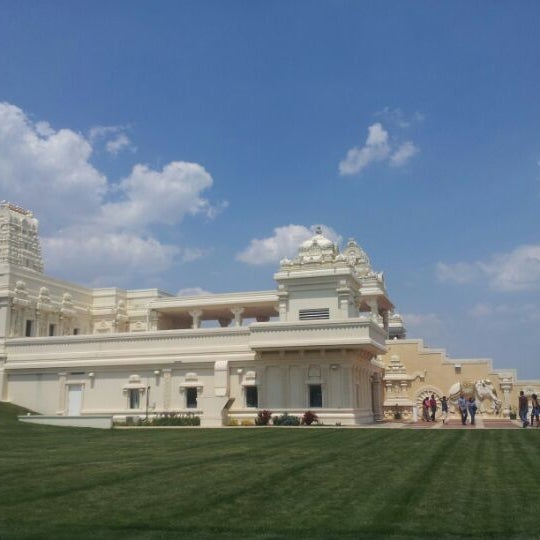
[(480, 423)]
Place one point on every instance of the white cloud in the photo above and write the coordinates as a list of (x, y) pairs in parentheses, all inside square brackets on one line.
[(377, 147), (405, 152), (458, 272), (165, 196), (192, 291), (284, 243), (518, 270), (397, 117), (48, 171), (97, 258), (114, 138), (91, 225), (517, 313), (120, 142), (192, 254), (481, 310), (421, 320)]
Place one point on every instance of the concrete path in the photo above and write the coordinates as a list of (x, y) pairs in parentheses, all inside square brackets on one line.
[(480, 423)]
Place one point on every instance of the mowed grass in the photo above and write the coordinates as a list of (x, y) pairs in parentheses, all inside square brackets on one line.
[(266, 483)]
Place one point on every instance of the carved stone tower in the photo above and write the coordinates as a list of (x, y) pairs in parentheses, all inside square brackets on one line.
[(19, 240)]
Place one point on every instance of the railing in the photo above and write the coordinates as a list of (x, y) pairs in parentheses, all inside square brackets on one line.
[(163, 345), (359, 332), (193, 344)]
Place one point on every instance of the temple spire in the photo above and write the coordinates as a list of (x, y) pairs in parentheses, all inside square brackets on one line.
[(19, 240)]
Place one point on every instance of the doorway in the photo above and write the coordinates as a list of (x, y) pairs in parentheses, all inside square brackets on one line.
[(74, 400)]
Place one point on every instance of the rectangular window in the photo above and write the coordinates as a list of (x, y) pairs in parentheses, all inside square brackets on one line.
[(315, 396), (252, 396), (51, 329), (28, 330), (134, 398), (191, 397), (75, 331), (310, 314)]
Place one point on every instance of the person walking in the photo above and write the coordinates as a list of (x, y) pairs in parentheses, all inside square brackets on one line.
[(535, 410), (472, 408), (462, 406), (425, 409), (523, 408), (433, 407), (444, 409)]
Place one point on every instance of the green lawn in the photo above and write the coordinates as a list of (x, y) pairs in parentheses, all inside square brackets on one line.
[(266, 483)]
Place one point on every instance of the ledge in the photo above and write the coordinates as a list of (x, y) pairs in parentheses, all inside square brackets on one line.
[(93, 421)]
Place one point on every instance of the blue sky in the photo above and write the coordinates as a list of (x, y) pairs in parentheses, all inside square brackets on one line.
[(192, 145)]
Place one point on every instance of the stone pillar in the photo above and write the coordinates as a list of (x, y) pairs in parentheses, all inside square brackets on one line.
[(237, 312), (62, 378), (506, 387), (377, 397), (385, 319), (196, 316), (374, 308), (167, 376), (5, 312), (3, 381), (283, 297)]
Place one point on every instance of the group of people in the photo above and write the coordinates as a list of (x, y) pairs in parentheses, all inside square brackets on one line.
[(429, 409), (467, 408), (523, 407)]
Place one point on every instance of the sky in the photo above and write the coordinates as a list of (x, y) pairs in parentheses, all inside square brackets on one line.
[(192, 145)]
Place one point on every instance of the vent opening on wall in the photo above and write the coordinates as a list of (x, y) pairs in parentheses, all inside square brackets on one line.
[(309, 314)]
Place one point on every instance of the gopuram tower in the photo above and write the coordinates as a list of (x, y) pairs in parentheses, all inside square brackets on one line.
[(19, 241)]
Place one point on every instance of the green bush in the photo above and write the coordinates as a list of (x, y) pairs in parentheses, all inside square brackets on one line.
[(286, 420), (171, 419)]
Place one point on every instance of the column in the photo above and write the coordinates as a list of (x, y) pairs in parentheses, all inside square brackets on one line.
[(3, 382), (167, 376), (506, 387), (237, 312), (153, 320), (283, 297), (385, 319), (196, 316), (374, 308), (377, 397), (62, 378)]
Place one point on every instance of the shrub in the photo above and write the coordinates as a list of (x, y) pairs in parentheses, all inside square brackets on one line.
[(171, 419), (286, 420), (263, 417), (247, 422), (232, 422), (309, 418)]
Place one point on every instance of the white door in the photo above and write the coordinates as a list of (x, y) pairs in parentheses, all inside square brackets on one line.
[(74, 400)]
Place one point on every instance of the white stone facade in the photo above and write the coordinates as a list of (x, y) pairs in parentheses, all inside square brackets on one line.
[(311, 344)]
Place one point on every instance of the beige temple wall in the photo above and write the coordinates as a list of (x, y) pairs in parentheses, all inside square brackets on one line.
[(413, 371)]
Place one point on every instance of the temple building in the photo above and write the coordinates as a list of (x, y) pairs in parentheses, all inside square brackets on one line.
[(326, 339)]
